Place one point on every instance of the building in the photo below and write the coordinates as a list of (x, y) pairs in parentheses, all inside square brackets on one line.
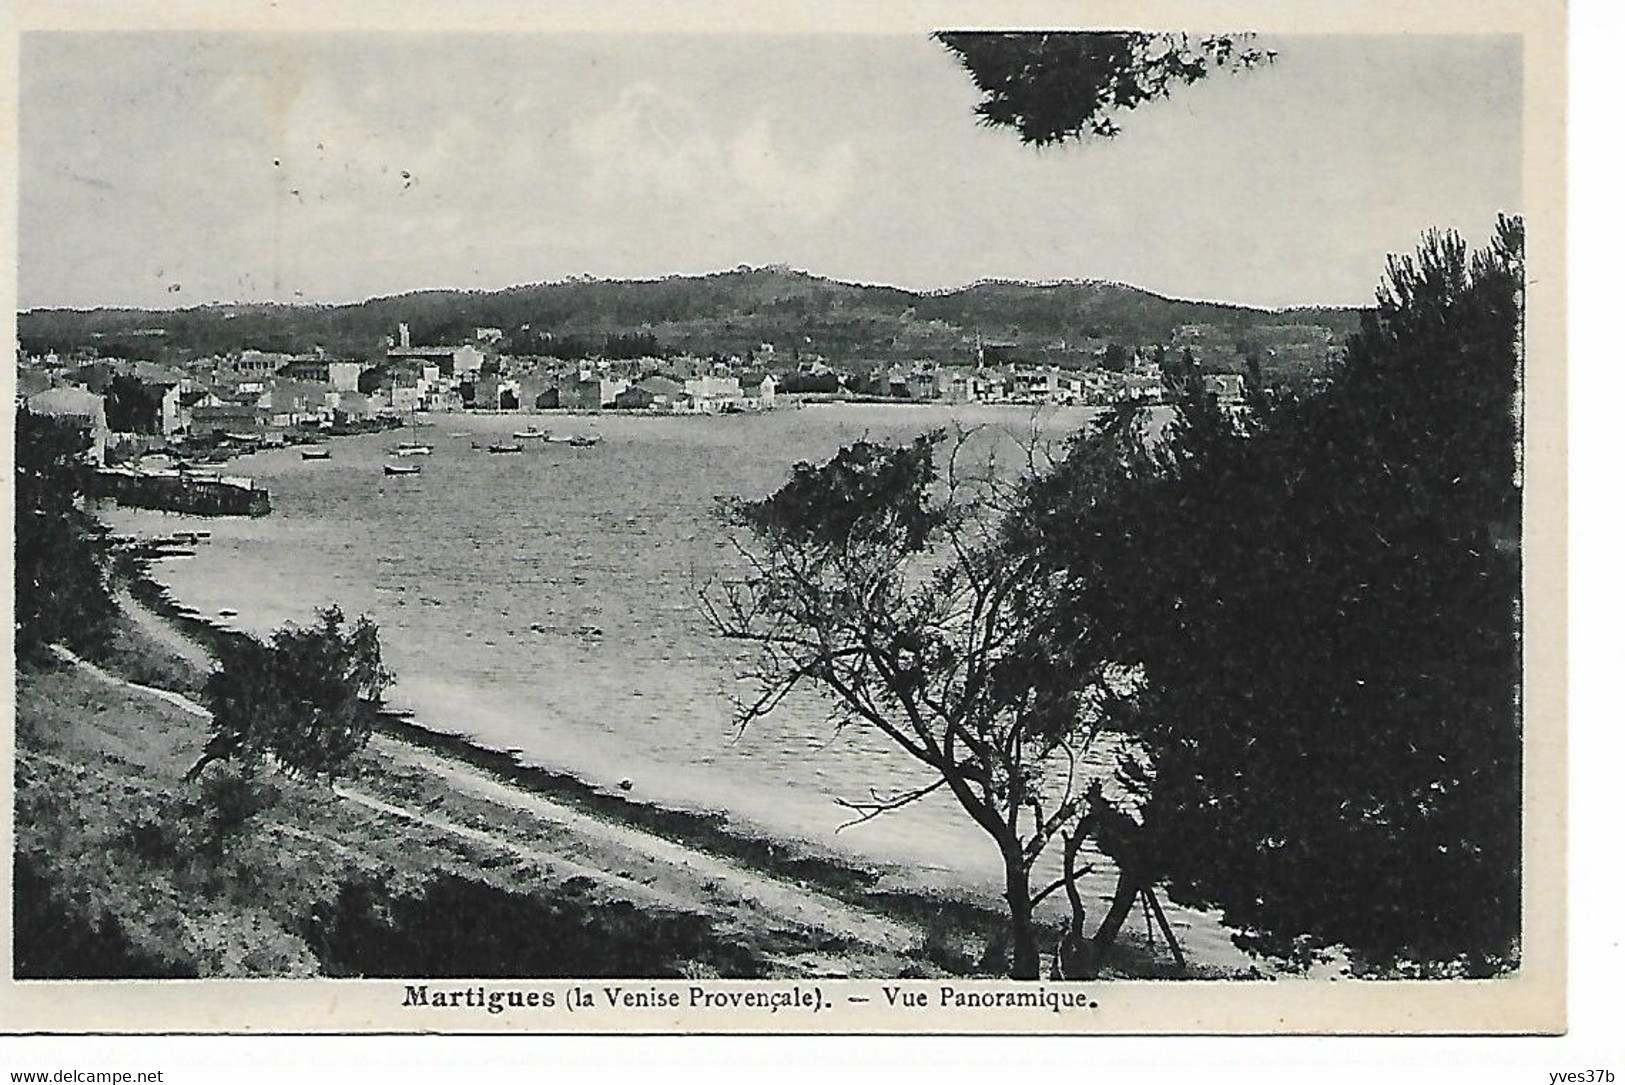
[(635, 398), (1143, 384), (231, 417), (959, 386), (190, 400), (410, 383), (663, 393), (585, 392), (299, 403), (78, 405), (353, 407), (255, 364), (1228, 388), (341, 376), (922, 383), (454, 362), (759, 389), (710, 393), (493, 392), (686, 366), (537, 388), (139, 397)]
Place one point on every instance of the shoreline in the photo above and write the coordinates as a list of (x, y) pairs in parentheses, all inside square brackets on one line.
[(944, 916), (706, 832)]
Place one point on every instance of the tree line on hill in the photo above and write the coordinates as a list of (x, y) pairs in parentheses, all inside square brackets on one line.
[(730, 312)]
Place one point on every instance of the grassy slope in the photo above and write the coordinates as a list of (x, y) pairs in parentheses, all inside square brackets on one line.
[(118, 853)]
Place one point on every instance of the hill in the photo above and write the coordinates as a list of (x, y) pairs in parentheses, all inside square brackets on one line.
[(727, 312)]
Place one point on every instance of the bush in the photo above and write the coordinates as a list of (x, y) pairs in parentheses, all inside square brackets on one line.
[(306, 700), (231, 798)]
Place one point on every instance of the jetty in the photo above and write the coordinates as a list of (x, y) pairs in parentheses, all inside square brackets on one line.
[(194, 492)]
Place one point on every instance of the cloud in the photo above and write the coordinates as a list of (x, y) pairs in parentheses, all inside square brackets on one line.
[(810, 191), (648, 144), (651, 145)]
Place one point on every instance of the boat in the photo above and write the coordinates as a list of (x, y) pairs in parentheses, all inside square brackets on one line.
[(584, 440), (503, 448), (315, 454), (532, 434), (414, 447), (402, 469)]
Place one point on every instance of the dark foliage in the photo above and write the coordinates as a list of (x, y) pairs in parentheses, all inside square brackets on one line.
[(53, 939), (868, 494), (61, 592), (459, 927), (306, 699), (231, 798), (1053, 87), (133, 406), (1326, 611), (1116, 358)]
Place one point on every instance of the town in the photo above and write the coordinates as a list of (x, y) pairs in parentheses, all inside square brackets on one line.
[(210, 408)]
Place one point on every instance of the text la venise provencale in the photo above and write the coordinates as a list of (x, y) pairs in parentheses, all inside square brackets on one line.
[(730, 997)]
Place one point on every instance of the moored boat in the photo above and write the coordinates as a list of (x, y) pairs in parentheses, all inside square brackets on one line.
[(584, 440), (499, 448), (414, 447), (315, 454), (402, 469), (531, 433)]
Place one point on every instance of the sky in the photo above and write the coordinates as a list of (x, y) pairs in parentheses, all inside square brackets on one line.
[(172, 169)]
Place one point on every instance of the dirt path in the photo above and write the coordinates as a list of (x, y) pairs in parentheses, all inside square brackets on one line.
[(683, 867), (789, 900), (161, 632)]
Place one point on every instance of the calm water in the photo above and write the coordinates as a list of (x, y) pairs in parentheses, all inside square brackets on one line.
[(546, 603)]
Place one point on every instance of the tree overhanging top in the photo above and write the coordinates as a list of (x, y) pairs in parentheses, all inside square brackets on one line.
[(1051, 87)]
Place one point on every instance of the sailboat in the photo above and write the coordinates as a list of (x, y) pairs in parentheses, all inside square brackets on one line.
[(414, 447)]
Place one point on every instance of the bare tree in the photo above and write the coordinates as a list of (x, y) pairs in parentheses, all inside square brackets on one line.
[(884, 583)]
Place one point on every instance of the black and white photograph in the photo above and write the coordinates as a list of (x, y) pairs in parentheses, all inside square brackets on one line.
[(934, 526)]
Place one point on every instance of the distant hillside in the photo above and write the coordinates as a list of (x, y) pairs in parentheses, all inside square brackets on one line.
[(727, 312)]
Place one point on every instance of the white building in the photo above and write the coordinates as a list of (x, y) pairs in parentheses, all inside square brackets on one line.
[(79, 405)]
